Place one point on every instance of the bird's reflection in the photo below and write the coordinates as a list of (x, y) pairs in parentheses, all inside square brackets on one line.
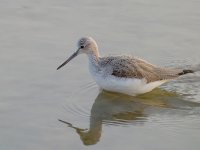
[(118, 109)]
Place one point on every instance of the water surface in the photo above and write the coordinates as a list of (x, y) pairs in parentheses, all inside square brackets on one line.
[(36, 36)]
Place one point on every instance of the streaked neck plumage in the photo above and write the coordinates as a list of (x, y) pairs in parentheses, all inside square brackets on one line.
[(94, 59)]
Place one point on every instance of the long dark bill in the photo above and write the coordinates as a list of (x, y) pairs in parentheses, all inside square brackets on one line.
[(70, 58)]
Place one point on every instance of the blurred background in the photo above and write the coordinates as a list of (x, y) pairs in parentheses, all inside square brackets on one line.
[(38, 35)]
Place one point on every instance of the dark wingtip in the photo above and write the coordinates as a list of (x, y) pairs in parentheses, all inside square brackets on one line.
[(185, 72)]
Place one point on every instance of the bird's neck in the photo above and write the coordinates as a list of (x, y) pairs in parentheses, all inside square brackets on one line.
[(94, 60), (93, 57)]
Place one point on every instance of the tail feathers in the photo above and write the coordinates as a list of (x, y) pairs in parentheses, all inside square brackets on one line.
[(185, 72)]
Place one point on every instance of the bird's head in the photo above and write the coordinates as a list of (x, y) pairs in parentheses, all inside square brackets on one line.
[(86, 45)]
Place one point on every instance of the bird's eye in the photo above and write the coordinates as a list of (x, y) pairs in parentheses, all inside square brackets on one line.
[(82, 46)]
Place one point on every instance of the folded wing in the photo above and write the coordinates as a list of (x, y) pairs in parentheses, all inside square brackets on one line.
[(131, 67)]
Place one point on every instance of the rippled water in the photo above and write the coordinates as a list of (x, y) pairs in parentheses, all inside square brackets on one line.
[(41, 108)]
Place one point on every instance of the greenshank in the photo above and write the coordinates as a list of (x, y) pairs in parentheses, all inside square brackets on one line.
[(124, 74)]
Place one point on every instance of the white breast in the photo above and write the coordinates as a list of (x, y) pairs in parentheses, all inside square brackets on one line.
[(130, 86)]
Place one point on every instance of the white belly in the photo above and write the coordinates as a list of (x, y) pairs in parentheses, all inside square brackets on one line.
[(130, 86)]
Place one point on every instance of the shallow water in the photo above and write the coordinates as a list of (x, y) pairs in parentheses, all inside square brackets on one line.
[(36, 36)]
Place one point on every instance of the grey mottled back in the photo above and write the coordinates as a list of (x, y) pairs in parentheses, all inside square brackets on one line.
[(132, 67)]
